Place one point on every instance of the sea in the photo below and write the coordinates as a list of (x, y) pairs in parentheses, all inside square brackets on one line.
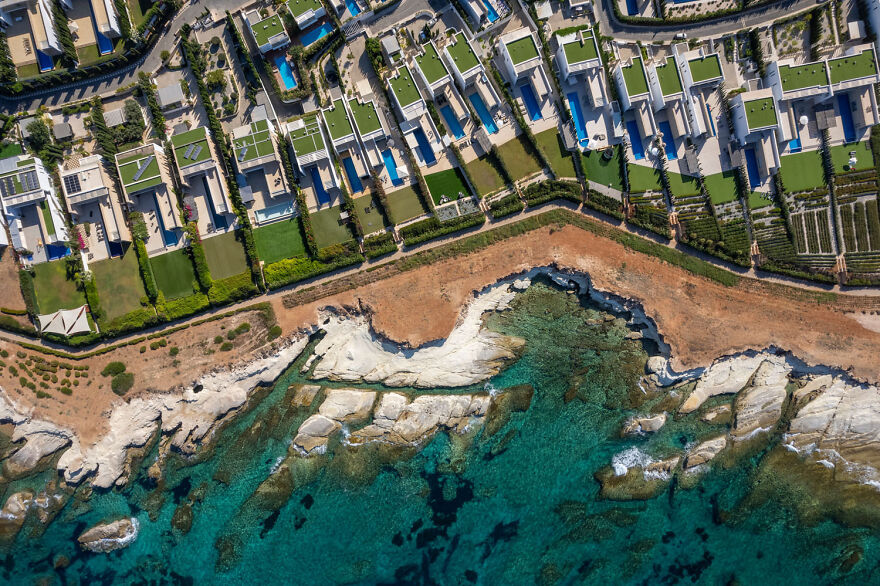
[(520, 503)]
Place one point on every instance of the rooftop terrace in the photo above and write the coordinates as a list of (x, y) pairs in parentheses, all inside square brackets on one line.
[(667, 75), (522, 50), (404, 88), (760, 113), (300, 7), (705, 68), (461, 54), (338, 124), (308, 139), (798, 77), (191, 147), (267, 28), (634, 78), (581, 50), (139, 171), (852, 67), (431, 65), (365, 116), (256, 143)]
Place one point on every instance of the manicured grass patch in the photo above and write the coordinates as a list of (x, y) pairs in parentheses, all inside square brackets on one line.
[(119, 284), (405, 204), (721, 187), (328, 228), (840, 157), (279, 240), (802, 171), (367, 210), (54, 291), (90, 54), (29, 70), (683, 185), (447, 183), (10, 149), (601, 171), (517, 157), (225, 256), (758, 200), (485, 176), (138, 8), (560, 159), (644, 178), (174, 274)]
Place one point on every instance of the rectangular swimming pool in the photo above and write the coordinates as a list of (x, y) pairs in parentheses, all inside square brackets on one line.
[(846, 119), (46, 62), (424, 146), (668, 140), (219, 221), (452, 122), (318, 185), (353, 7), (491, 13), (356, 185), (635, 140), (577, 117), (531, 101), (169, 237), (483, 112), (632, 7), (105, 45), (752, 168), (316, 34), (275, 212), (288, 81), (391, 165)]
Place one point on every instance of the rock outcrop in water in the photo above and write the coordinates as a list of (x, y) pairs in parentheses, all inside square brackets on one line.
[(637, 425), (107, 537)]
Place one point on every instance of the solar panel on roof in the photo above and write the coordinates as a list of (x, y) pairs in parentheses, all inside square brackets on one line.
[(29, 180), (189, 151), (196, 151), (143, 167), (71, 184)]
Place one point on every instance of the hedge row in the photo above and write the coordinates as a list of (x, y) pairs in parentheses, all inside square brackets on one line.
[(544, 191), (379, 245), (431, 228), (231, 289), (604, 204), (26, 282), (146, 87), (291, 270), (197, 253), (100, 130), (301, 203), (243, 54), (507, 205), (146, 270)]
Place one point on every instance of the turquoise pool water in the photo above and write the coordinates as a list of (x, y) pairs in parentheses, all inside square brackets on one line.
[(318, 185), (635, 140), (452, 122), (285, 69), (424, 146), (391, 165), (356, 185), (275, 212), (577, 117), (483, 112), (668, 140), (316, 34), (528, 95)]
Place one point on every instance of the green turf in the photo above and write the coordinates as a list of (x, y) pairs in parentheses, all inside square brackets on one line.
[(852, 67), (9, 149), (369, 214), (26, 71), (683, 185), (634, 78), (485, 175), (802, 171), (721, 187), (54, 291), (644, 178), (560, 159), (138, 8), (449, 183), (279, 240), (328, 229), (520, 162), (601, 171), (760, 113), (405, 204), (758, 200), (174, 274), (522, 49), (225, 255), (840, 156), (119, 284)]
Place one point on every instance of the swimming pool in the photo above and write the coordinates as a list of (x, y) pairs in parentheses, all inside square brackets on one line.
[(711, 119), (391, 165), (356, 185), (286, 71), (424, 146), (353, 7), (632, 7), (452, 121), (846, 119), (105, 45), (169, 237), (275, 212), (220, 222), (752, 168), (635, 140), (668, 140), (56, 251), (318, 185), (483, 113), (316, 34), (46, 62), (577, 116), (491, 13), (531, 101)]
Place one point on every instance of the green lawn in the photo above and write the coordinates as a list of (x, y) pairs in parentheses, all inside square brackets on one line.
[(644, 178), (26, 71), (225, 255), (758, 200), (119, 284), (174, 274), (519, 161), (840, 156), (328, 228), (449, 183), (560, 159), (280, 240), (89, 55), (721, 187), (405, 204), (485, 175), (601, 171), (802, 171), (54, 291), (138, 8), (369, 214), (683, 185), (9, 149)]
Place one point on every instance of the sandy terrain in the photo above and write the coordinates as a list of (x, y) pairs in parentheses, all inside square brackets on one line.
[(700, 319)]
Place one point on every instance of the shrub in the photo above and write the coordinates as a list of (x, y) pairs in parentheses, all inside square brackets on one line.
[(174, 351), (231, 289), (544, 191), (379, 245), (113, 368), (122, 383), (274, 332), (149, 92), (197, 254), (226, 346), (218, 339), (430, 228), (509, 204), (26, 282), (146, 270)]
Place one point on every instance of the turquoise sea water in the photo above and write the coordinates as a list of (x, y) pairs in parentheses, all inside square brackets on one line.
[(518, 506)]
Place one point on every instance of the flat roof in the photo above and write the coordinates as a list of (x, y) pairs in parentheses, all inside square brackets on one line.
[(338, 124), (798, 77), (130, 167), (404, 87), (667, 75), (579, 51), (522, 50), (462, 54), (431, 65), (852, 66), (365, 116), (705, 68), (191, 147), (634, 78), (256, 143), (267, 28), (760, 113), (308, 139), (300, 7)]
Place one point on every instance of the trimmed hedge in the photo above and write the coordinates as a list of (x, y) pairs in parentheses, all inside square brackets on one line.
[(604, 204), (544, 191), (172, 309), (146, 270), (146, 86), (379, 245), (291, 270), (431, 228), (197, 253), (130, 322), (26, 283), (11, 324), (507, 205), (231, 289)]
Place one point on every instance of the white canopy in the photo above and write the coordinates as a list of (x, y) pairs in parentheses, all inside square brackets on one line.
[(66, 322)]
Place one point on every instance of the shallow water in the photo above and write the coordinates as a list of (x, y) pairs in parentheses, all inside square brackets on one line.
[(520, 506)]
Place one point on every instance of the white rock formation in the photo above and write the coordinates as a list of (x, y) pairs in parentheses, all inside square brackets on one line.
[(704, 452), (347, 405), (13, 514), (471, 354), (39, 443), (724, 377), (759, 406), (637, 425), (107, 537), (315, 432)]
